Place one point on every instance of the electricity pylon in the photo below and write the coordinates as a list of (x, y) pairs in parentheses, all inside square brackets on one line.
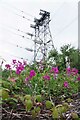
[(43, 42)]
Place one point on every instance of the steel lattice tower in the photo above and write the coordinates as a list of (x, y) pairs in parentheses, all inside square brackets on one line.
[(43, 42)]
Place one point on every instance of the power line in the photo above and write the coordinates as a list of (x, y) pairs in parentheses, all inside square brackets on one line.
[(28, 49), (27, 33), (19, 35), (11, 6), (22, 16), (25, 37), (57, 11), (25, 48), (12, 55), (68, 25), (18, 30), (38, 42)]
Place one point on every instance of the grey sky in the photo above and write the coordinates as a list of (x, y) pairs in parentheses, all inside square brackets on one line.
[(63, 25)]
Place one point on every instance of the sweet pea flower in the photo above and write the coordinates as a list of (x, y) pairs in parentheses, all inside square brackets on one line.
[(18, 71), (27, 79), (55, 70), (19, 62), (8, 66), (68, 70), (32, 73), (14, 61), (46, 77), (19, 68), (74, 71), (66, 84)]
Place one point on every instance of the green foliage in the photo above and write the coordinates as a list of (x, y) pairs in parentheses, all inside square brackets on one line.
[(53, 53), (6, 84), (66, 51), (27, 97), (48, 104), (5, 94), (61, 109), (55, 113), (39, 98), (34, 114), (28, 105), (66, 106), (5, 74), (37, 110)]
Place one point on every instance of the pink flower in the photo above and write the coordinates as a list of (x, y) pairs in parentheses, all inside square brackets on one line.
[(19, 62), (8, 66), (32, 73), (27, 78), (68, 70), (46, 77), (18, 71), (66, 84), (19, 68), (14, 61), (74, 71), (55, 70)]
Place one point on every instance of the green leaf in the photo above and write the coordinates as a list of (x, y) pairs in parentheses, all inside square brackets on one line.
[(55, 113), (65, 104), (39, 98), (34, 114), (48, 104), (5, 94), (28, 105), (6, 84), (27, 97), (13, 99), (37, 110), (61, 109)]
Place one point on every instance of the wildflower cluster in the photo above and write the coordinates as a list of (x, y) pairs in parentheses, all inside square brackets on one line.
[(72, 71), (19, 68), (49, 80)]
